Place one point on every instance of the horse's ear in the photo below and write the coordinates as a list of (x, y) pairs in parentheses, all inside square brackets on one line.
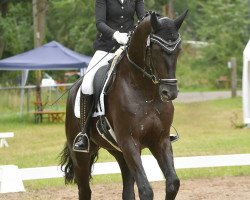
[(154, 22), (180, 19)]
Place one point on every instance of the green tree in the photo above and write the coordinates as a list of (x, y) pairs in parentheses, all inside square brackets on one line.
[(16, 31), (16, 34), (72, 23), (225, 26)]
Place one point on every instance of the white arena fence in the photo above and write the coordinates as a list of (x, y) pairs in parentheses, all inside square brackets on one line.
[(11, 178)]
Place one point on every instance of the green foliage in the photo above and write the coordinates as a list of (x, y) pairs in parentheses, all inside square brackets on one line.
[(16, 35), (227, 34), (16, 29), (225, 26), (72, 23)]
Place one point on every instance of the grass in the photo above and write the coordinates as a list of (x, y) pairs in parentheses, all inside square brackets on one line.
[(205, 128)]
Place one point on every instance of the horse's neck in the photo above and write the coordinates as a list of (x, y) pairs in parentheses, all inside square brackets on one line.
[(138, 83), (138, 42), (137, 51)]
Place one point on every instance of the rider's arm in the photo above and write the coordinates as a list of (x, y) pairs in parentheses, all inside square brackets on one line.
[(100, 14)]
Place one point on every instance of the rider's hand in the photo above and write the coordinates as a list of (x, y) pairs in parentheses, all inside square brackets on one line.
[(121, 38)]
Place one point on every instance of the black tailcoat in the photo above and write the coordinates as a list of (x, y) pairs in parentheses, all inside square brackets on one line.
[(113, 15)]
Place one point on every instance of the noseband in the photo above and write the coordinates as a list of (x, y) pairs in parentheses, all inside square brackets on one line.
[(168, 47)]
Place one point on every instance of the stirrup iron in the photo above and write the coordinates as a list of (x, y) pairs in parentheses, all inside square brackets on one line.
[(81, 136)]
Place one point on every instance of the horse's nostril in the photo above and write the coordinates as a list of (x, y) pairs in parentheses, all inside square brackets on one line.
[(165, 93)]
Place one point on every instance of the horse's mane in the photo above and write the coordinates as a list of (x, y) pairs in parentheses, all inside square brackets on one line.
[(148, 13)]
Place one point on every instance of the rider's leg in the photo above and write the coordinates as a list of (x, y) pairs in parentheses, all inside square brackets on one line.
[(100, 58), (81, 142)]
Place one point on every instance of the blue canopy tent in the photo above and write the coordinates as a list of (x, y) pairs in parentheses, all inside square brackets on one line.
[(51, 56)]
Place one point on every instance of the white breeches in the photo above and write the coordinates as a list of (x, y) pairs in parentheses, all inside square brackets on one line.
[(87, 83)]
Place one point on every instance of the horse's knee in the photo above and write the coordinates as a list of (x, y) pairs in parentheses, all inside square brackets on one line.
[(146, 192), (172, 189)]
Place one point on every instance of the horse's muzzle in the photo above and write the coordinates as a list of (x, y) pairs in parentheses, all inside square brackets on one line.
[(168, 92)]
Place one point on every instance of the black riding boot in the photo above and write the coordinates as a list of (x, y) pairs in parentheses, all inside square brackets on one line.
[(81, 142)]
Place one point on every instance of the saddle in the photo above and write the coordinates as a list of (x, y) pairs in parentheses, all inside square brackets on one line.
[(104, 78), (103, 81)]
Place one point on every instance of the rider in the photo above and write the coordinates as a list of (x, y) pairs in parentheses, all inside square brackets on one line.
[(114, 19)]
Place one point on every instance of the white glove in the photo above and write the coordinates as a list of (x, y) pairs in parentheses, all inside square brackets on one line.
[(121, 38)]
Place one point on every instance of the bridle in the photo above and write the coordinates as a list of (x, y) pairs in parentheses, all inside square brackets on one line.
[(168, 47)]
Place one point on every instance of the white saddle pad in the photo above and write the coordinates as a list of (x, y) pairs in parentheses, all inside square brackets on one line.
[(100, 108)]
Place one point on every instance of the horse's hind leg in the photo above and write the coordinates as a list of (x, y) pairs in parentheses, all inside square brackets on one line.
[(164, 155), (82, 171), (127, 178)]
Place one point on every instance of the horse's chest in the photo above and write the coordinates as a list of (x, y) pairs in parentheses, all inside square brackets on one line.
[(145, 113)]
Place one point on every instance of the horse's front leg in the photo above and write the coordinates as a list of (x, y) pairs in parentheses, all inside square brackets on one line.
[(163, 153), (132, 157), (127, 178)]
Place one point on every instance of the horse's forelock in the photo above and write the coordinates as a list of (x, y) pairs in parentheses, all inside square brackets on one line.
[(168, 30), (166, 27)]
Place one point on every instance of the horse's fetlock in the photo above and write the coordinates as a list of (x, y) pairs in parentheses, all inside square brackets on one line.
[(172, 189), (84, 193), (146, 193), (176, 183)]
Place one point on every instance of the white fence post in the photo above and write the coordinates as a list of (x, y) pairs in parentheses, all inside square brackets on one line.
[(246, 85), (3, 136), (10, 179)]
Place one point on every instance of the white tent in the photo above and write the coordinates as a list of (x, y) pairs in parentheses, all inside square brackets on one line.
[(246, 84)]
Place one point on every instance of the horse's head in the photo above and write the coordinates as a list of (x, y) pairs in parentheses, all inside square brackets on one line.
[(164, 48)]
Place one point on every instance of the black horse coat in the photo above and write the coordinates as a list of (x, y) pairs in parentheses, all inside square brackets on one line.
[(113, 15)]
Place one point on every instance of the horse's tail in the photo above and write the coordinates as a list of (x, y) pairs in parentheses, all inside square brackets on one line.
[(66, 164)]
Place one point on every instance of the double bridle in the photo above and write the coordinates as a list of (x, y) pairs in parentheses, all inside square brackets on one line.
[(168, 47)]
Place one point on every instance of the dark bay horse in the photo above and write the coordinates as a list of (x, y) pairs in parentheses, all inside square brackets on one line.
[(139, 108)]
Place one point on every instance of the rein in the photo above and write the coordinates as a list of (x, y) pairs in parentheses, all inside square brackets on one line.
[(150, 76), (79, 79), (168, 47)]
